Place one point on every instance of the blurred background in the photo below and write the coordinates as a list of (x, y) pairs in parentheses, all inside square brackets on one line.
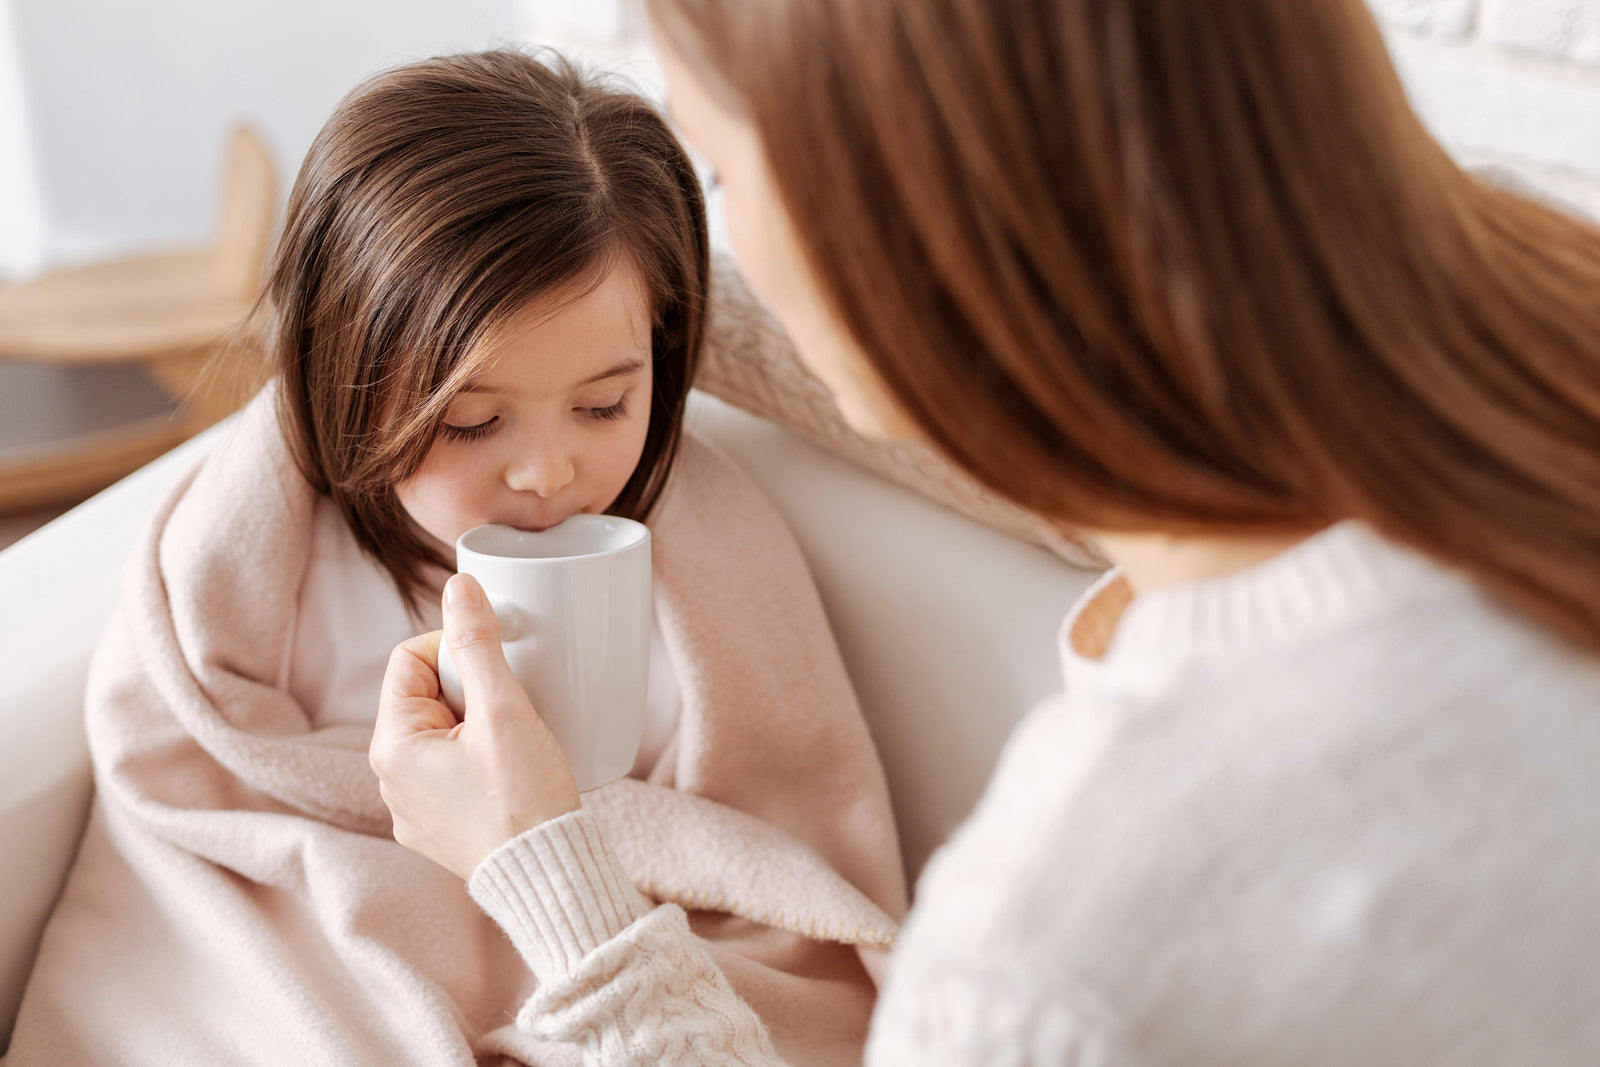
[(132, 211)]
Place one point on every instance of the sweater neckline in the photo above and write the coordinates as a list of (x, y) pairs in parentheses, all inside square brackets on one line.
[(1333, 578)]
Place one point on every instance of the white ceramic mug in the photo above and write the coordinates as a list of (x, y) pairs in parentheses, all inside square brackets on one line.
[(574, 608)]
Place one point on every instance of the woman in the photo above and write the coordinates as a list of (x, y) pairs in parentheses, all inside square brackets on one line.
[(1191, 274)]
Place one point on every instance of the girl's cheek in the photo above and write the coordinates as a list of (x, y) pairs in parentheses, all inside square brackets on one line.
[(635, 451)]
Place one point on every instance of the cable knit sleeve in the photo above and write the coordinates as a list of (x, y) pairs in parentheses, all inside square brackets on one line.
[(623, 980), (628, 982)]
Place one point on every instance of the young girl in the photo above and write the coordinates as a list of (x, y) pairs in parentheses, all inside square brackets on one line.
[(486, 305)]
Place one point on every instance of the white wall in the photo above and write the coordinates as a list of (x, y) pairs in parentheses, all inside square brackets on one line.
[(22, 229), (1514, 83), (130, 102)]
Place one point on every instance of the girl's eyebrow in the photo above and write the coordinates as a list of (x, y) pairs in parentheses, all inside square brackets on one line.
[(627, 366)]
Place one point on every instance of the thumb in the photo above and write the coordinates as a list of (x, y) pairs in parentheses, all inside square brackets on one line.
[(473, 634)]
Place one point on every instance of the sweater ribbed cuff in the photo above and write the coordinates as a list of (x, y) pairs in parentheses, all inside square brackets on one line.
[(558, 893)]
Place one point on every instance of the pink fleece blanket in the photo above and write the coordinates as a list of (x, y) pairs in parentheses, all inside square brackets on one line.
[(238, 899)]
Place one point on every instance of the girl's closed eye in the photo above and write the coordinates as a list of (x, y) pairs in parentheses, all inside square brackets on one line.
[(611, 411), (470, 433)]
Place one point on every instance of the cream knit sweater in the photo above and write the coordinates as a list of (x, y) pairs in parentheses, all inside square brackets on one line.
[(1337, 809)]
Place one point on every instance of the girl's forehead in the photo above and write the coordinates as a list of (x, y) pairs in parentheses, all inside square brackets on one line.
[(571, 340), (615, 303)]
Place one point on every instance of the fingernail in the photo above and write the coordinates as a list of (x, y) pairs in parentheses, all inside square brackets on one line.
[(461, 593)]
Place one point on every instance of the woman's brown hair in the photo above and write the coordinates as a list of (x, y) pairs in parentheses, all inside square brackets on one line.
[(439, 200), (1190, 266)]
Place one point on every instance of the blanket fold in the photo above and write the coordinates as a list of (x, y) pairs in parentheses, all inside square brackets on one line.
[(237, 897)]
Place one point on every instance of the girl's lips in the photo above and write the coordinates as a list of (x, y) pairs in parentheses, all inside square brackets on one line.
[(542, 527)]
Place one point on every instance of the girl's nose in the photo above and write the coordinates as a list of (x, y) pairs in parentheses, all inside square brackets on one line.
[(545, 469)]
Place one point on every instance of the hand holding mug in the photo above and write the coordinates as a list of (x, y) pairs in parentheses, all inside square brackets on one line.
[(459, 790), (574, 608)]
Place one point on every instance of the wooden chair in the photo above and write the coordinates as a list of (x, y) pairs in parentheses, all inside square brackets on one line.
[(171, 314)]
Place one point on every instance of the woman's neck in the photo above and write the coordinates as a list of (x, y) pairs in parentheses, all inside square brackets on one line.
[(1152, 561)]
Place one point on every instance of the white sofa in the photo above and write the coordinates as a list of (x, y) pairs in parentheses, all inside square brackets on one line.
[(947, 627)]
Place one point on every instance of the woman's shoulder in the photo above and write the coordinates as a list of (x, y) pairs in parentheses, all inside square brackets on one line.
[(1396, 814)]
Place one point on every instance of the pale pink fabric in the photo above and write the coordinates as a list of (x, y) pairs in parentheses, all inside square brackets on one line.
[(237, 897)]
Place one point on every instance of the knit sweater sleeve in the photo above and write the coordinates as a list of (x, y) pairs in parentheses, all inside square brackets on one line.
[(625, 981)]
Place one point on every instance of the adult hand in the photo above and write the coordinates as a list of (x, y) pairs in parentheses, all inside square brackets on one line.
[(459, 790)]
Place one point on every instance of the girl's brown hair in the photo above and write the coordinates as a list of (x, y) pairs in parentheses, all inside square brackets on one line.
[(1190, 266), (438, 201)]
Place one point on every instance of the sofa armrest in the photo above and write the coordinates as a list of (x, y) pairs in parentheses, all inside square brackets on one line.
[(58, 586)]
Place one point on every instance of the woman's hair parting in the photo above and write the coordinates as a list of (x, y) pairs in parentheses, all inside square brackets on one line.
[(1192, 266), (439, 200)]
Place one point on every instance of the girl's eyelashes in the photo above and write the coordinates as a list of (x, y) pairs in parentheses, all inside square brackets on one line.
[(483, 429), (615, 411), (470, 433)]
